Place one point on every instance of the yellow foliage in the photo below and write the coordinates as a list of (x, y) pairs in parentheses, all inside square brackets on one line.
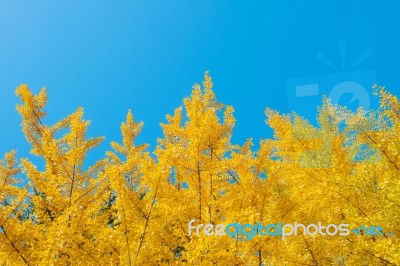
[(133, 208)]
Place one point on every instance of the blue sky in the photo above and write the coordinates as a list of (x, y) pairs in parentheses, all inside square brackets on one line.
[(145, 55)]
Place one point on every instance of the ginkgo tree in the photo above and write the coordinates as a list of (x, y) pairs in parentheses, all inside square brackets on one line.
[(133, 206)]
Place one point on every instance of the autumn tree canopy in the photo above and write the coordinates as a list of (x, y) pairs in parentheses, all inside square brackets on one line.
[(132, 206)]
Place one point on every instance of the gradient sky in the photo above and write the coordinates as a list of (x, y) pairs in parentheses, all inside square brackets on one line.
[(108, 56)]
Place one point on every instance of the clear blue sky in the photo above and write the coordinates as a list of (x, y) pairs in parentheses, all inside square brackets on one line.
[(108, 56)]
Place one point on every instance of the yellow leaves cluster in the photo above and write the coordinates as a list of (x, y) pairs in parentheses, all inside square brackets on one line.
[(132, 208)]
